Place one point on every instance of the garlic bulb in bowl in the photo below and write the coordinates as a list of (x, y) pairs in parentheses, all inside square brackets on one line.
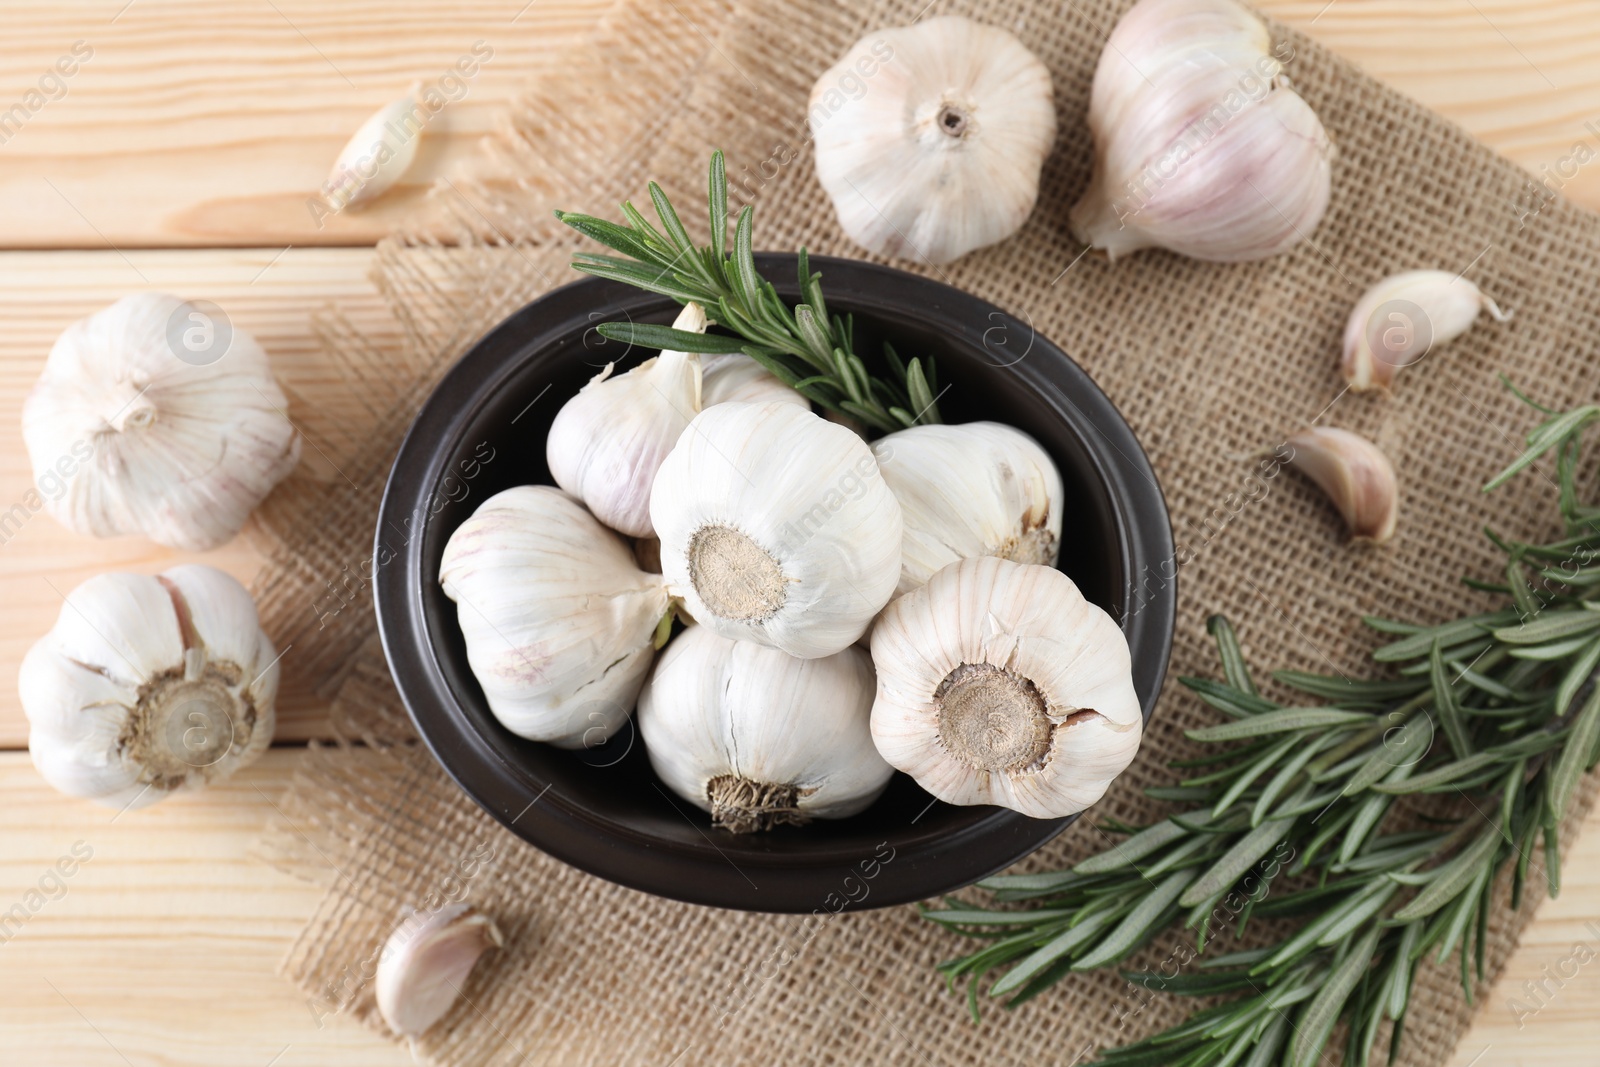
[(940, 151), (149, 684), (175, 416), (608, 441), (759, 738), (559, 620), (998, 683), (1202, 147), (776, 528), (977, 489)]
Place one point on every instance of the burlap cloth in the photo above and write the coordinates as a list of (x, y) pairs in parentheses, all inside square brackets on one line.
[(1209, 364)]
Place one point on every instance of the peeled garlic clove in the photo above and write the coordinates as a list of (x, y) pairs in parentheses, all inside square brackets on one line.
[(998, 683), (607, 442), (154, 418), (978, 489), (938, 151), (426, 961), (736, 378), (759, 738), (559, 620), (378, 154), (1400, 319), (149, 684), (1356, 476), (1201, 145), (776, 528)]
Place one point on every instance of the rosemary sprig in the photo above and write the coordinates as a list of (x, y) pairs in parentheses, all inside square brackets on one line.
[(808, 349), (1285, 820)]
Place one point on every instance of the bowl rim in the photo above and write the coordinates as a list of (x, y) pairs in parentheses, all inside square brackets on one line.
[(940, 862)]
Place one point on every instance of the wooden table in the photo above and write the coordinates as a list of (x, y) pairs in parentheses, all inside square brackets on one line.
[(179, 156)]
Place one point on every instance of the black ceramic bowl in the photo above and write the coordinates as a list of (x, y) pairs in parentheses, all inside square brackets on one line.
[(603, 810)]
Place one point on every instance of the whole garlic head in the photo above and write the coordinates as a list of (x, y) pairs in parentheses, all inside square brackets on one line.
[(558, 618), (149, 684), (174, 419), (977, 489), (608, 441), (939, 152), (1401, 318), (776, 528), (998, 683), (759, 738), (1201, 145), (425, 961)]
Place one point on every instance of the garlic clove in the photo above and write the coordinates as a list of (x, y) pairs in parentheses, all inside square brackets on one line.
[(759, 738), (736, 378), (1400, 319), (977, 489), (378, 154), (608, 441), (777, 528), (998, 683), (131, 429), (149, 684), (1202, 147), (426, 961), (559, 620), (1357, 477), (940, 152)]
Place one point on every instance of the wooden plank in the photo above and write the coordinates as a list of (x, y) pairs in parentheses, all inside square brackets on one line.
[(271, 293), (157, 939), (197, 122)]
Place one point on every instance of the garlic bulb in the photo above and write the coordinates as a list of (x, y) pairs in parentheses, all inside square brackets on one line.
[(736, 378), (155, 416), (1355, 474), (149, 684), (425, 962), (559, 620), (776, 528), (978, 489), (607, 442), (759, 738), (1400, 319), (378, 154), (1201, 145), (998, 683), (930, 137)]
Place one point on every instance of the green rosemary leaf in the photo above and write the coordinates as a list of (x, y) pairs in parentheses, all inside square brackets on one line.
[(1270, 1044), (1317, 1020), (1549, 626), (1579, 673), (981, 917), (1346, 691), (922, 398), (1227, 699), (619, 238), (1449, 880), (868, 416), (1193, 985), (1574, 755), (811, 332), (1452, 633), (1139, 924), (1369, 811), (1245, 854), (647, 233), (1555, 650), (1282, 720), (1443, 775), (1243, 780), (1049, 953), (1233, 665), (1286, 776), (1391, 626), (648, 335), (1126, 854), (639, 275), (1446, 707), (1521, 593), (718, 197)]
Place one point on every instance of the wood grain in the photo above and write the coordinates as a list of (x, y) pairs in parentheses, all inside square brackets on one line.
[(161, 946), (195, 122), (273, 294)]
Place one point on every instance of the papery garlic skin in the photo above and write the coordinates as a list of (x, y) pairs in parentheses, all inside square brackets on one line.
[(941, 153), (149, 684), (1401, 318), (777, 528), (998, 683), (378, 154), (559, 620), (1355, 474), (736, 378), (426, 961), (608, 441), (1201, 145), (759, 738), (976, 489), (179, 448)]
